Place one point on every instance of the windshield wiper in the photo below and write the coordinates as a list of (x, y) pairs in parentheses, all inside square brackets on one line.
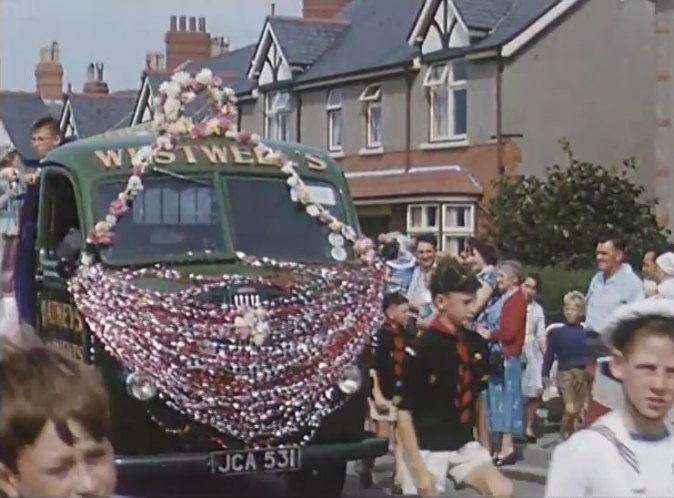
[(178, 176)]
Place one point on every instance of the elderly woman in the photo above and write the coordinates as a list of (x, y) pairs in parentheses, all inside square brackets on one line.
[(505, 402)]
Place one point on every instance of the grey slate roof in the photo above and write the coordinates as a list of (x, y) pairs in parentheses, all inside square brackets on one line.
[(18, 112), (376, 37), (94, 114), (522, 14), (303, 41), (483, 14)]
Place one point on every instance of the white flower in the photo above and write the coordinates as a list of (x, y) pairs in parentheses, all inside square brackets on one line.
[(205, 76), (232, 134), (102, 226), (258, 339), (135, 183), (229, 92), (182, 78), (171, 89), (188, 97), (164, 142), (172, 108), (111, 220), (288, 168), (255, 139), (157, 101)]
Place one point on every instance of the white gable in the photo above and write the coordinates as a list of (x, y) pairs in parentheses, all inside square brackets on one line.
[(67, 123), (5, 139), (438, 27), (144, 111), (269, 65)]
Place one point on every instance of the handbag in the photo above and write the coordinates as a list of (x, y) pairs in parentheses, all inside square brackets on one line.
[(496, 361)]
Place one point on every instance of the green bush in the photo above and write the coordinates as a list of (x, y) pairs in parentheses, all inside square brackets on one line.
[(555, 221), (557, 282)]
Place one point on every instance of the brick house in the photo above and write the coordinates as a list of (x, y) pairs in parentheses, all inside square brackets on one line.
[(425, 102)]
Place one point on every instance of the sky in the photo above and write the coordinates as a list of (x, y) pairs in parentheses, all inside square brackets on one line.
[(116, 32)]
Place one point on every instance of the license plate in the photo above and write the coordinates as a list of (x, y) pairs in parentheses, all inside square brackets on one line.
[(238, 462)]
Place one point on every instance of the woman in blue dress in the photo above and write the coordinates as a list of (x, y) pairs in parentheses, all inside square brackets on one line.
[(505, 401)]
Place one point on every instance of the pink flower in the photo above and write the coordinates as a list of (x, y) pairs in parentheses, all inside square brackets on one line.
[(118, 207), (100, 237), (224, 122), (217, 81), (244, 138), (198, 87), (198, 131), (363, 245)]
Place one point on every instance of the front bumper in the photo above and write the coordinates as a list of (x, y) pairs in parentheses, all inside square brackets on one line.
[(312, 456)]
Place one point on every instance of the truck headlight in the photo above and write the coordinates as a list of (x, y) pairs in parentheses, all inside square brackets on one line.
[(350, 380), (140, 388)]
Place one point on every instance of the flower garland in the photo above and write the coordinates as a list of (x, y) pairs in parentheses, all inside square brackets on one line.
[(172, 125), (263, 393), (264, 375)]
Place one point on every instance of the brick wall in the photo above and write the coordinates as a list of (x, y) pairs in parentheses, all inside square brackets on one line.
[(186, 39), (324, 9)]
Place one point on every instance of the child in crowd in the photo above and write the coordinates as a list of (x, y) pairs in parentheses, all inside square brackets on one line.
[(54, 427), (567, 345)]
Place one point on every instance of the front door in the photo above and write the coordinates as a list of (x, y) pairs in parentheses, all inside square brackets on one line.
[(60, 324)]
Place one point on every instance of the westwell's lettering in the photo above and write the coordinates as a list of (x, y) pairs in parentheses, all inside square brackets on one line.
[(62, 316), (219, 155)]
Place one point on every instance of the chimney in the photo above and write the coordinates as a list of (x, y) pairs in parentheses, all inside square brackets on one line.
[(49, 73), (95, 84), (219, 46), (323, 9), (190, 41), (155, 61)]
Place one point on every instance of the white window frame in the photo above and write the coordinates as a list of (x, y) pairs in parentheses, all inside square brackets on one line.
[(371, 97), (444, 82), (334, 112), (276, 116), (444, 232)]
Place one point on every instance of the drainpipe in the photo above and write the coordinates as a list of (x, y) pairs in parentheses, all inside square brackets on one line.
[(409, 81), (298, 118), (499, 114)]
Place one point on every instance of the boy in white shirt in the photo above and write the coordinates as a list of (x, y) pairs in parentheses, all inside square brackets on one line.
[(628, 452)]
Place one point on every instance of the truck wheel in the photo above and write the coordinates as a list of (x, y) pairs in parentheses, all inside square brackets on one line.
[(327, 480)]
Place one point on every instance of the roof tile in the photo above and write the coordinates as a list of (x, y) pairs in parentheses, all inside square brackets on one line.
[(95, 114), (303, 41), (443, 181)]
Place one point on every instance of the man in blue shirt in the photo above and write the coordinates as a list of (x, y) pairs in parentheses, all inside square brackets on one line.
[(614, 285)]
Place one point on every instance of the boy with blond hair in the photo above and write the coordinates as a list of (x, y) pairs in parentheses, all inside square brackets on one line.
[(567, 345), (54, 426)]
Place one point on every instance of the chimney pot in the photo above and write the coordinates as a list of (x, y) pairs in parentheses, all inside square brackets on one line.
[(99, 71), (183, 23), (202, 24), (174, 23), (193, 24), (91, 76)]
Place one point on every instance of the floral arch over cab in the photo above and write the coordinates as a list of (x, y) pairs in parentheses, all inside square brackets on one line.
[(247, 372)]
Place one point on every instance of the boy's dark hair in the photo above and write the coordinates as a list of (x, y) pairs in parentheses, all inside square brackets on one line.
[(39, 385), (626, 333), (428, 238), (537, 279), (46, 122), (389, 250), (393, 299), (452, 276), (486, 250)]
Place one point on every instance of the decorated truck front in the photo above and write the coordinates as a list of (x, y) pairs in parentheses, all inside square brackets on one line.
[(224, 293)]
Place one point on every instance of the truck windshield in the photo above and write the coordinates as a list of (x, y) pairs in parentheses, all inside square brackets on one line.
[(169, 216), (265, 222)]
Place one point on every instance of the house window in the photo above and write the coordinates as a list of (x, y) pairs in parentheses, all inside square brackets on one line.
[(448, 93), (371, 97), (334, 109), (454, 223), (277, 115)]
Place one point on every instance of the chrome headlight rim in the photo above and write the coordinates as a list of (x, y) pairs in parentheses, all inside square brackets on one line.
[(140, 387), (350, 380)]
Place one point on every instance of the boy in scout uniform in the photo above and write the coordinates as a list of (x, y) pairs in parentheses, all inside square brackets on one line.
[(443, 374)]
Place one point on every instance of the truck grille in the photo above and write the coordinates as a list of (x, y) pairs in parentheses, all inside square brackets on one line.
[(246, 299)]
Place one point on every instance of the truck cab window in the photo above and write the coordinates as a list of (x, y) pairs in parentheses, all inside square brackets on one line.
[(60, 231)]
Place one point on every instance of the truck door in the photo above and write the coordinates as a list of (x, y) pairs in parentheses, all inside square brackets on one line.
[(59, 240)]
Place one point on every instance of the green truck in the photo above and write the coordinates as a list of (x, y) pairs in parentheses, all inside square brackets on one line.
[(206, 206)]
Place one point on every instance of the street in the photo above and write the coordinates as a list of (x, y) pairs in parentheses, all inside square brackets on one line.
[(272, 486)]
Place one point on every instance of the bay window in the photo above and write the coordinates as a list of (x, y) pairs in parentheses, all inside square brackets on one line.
[(452, 222)]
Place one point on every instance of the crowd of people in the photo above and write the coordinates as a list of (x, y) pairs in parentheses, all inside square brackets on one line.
[(465, 355)]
